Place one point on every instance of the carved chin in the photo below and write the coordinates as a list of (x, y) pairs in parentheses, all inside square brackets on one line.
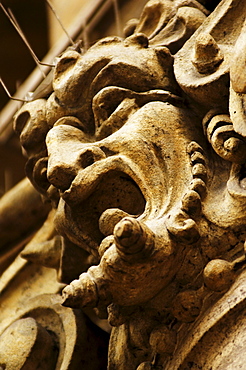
[(114, 196)]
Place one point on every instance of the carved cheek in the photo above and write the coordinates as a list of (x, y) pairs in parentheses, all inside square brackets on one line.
[(68, 153)]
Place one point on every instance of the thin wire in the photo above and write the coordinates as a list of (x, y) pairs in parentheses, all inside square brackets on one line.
[(117, 16), (14, 22), (59, 20), (85, 38), (8, 93), (21, 33)]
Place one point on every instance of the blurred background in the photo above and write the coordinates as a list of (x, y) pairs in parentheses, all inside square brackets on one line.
[(88, 20)]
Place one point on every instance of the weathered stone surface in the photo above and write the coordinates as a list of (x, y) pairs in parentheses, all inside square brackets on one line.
[(141, 154)]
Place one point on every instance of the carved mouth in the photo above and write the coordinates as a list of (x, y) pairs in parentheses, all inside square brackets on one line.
[(113, 194)]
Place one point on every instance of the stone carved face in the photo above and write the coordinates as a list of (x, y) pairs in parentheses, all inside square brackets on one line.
[(106, 86), (125, 162), (116, 144), (134, 182)]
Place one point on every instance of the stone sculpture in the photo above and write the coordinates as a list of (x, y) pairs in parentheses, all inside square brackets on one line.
[(139, 146)]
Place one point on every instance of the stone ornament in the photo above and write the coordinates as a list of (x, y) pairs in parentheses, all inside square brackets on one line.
[(45, 335), (139, 147)]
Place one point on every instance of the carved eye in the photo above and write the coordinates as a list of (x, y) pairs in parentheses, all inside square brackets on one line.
[(139, 39), (117, 119), (67, 61), (112, 107)]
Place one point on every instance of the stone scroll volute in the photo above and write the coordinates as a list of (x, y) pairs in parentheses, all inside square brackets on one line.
[(140, 149)]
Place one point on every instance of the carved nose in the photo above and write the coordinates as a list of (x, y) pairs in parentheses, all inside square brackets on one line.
[(62, 169)]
